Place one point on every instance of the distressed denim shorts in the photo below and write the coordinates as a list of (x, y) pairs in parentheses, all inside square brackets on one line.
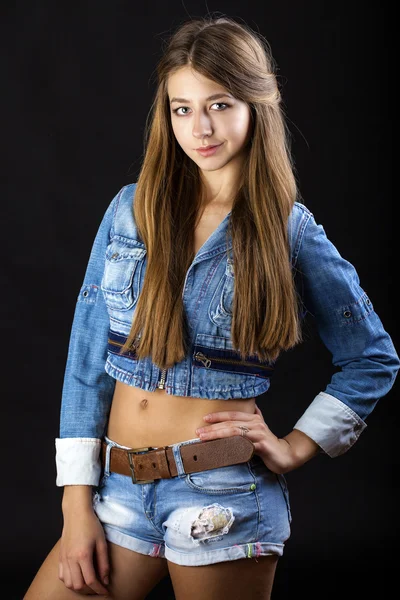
[(239, 511)]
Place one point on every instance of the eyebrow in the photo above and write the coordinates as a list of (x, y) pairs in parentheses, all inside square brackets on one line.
[(213, 97)]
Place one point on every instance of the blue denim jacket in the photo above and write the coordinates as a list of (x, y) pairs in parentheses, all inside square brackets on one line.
[(329, 286)]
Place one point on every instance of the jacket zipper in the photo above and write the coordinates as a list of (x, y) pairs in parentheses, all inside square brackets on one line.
[(207, 361), (161, 383)]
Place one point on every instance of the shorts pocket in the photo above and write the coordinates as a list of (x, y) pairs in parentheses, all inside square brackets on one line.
[(97, 490), (233, 479), (285, 491), (102, 481)]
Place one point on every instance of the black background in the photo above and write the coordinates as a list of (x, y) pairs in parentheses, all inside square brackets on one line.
[(77, 86)]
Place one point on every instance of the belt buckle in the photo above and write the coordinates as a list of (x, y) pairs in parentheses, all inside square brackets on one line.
[(137, 451)]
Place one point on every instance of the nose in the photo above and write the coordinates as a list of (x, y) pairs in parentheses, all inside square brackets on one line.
[(201, 125)]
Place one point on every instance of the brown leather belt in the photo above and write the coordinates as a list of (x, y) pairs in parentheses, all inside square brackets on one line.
[(159, 463)]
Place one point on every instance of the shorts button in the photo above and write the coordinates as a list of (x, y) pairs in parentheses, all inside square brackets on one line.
[(253, 487)]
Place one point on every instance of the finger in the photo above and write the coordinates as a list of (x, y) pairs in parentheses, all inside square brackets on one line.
[(67, 577), (233, 415), (233, 424), (103, 565), (76, 575), (258, 435), (259, 413), (60, 564), (91, 578), (211, 433)]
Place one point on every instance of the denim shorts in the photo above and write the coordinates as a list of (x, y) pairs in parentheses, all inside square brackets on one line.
[(239, 511)]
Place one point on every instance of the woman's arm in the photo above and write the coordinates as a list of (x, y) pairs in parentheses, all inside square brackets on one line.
[(354, 334), (87, 389)]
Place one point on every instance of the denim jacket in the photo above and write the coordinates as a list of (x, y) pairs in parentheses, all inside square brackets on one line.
[(329, 287)]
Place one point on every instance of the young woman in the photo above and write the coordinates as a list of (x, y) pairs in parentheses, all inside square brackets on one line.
[(199, 277)]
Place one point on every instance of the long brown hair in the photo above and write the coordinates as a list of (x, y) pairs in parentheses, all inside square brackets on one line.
[(168, 198)]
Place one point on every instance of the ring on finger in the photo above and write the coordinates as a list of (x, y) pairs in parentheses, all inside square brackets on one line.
[(244, 430)]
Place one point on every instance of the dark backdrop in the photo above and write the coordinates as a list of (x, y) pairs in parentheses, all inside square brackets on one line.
[(77, 87)]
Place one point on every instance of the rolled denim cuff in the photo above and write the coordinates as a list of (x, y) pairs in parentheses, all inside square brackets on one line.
[(333, 425), (78, 461)]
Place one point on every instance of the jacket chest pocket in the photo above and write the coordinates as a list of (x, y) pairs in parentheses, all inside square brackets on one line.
[(221, 305), (122, 275)]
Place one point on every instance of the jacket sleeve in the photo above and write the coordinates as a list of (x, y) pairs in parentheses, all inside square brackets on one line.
[(87, 388), (352, 331)]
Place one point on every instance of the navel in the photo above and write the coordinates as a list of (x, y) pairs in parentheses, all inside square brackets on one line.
[(144, 403)]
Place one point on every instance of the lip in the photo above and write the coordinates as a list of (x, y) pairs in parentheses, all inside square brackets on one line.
[(209, 150)]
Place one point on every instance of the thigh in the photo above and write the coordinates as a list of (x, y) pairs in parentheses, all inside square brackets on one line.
[(132, 576), (235, 579)]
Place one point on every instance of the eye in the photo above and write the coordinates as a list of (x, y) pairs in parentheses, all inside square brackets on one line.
[(175, 110), (222, 104)]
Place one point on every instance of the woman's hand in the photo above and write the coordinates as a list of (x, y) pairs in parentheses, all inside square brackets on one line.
[(277, 453), (82, 543)]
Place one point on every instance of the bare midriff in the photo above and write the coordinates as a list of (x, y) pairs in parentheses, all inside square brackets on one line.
[(138, 418)]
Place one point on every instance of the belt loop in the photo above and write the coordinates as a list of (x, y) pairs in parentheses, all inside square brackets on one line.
[(109, 445), (176, 449)]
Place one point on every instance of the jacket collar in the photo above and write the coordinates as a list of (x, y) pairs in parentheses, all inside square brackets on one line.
[(216, 243)]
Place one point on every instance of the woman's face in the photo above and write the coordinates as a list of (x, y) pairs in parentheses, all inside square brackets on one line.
[(198, 120)]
